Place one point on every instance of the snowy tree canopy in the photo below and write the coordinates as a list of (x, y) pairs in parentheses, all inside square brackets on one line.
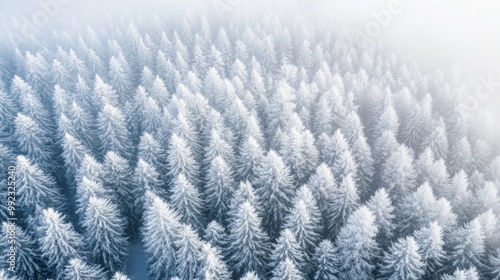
[(252, 147)]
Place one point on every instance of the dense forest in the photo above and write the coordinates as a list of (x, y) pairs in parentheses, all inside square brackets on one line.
[(240, 149)]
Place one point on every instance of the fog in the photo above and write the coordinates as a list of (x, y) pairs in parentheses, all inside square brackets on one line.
[(440, 34)]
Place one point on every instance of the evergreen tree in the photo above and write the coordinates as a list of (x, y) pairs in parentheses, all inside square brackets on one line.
[(245, 192), (217, 147), (34, 141), (187, 202), (459, 157), (325, 261), (421, 208), (465, 274), (85, 190), (437, 140), (250, 156), (382, 149), (117, 178), (188, 253), (398, 174), (338, 156), (403, 260), (35, 188), (250, 276), (430, 242), (73, 154), (219, 189), (7, 115), (90, 168), (467, 246), (105, 233), (388, 121), (357, 246), (345, 200), (380, 205), (248, 243), (103, 94), (113, 132), (119, 75), (84, 125), (161, 227), (180, 160), (304, 220), (286, 270), (150, 150), (274, 184), (294, 152), (147, 178), (287, 247), (215, 234), (59, 242), (78, 269), (323, 185), (212, 266), (27, 255)]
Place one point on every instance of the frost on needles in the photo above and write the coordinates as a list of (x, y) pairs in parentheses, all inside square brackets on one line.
[(241, 149)]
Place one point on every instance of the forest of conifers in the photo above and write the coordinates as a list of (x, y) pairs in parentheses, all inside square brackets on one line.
[(267, 149)]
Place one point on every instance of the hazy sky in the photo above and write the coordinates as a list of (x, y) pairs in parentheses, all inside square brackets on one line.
[(437, 33)]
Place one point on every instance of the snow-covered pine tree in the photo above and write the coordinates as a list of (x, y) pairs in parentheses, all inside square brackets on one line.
[(84, 125), (430, 243), (249, 157), (34, 141), (59, 242), (27, 254), (398, 173), (117, 176), (304, 220), (356, 245), (402, 261), (151, 151), (216, 235), (160, 229), (180, 159), (325, 262), (187, 202), (250, 276), (73, 154), (286, 246), (462, 274), (467, 246), (420, 208), (105, 234), (78, 269), (287, 270), (337, 154), (188, 253), (212, 266), (459, 156), (245, 192), (113, 132), (345, 200), (219, 189), (380, 205), (35, 188), (248, 243), (85, 190), (322, 185), (274, 184)]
